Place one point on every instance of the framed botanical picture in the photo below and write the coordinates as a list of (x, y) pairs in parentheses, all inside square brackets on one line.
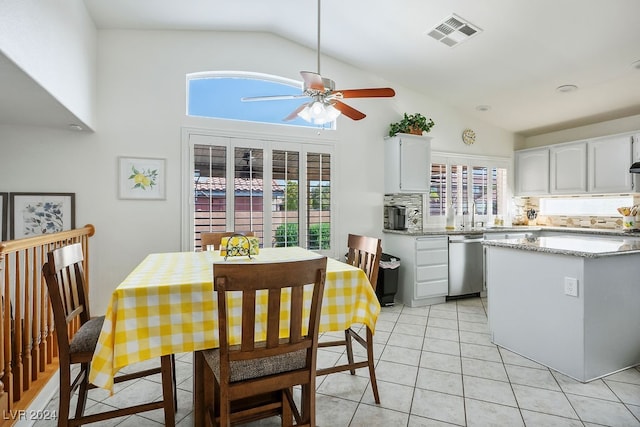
[(33, 214), (4, 218), (141, 178)]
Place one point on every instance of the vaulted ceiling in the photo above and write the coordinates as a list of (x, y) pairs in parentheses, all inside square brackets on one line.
[(513, 65)]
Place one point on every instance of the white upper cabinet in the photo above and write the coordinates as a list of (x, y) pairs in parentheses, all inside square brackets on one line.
[(407, 164), (597, 166), (609, 162), (532, 171), (568, 168)]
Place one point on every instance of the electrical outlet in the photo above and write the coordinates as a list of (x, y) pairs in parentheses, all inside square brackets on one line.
[(571, 286)]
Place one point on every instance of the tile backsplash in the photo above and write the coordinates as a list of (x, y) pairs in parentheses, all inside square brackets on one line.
[(413, 203), (572, 221)]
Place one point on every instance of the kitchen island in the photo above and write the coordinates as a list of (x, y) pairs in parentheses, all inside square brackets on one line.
[(570, 302)]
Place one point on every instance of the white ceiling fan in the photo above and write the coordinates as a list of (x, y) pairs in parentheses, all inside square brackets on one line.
[(325, 105)]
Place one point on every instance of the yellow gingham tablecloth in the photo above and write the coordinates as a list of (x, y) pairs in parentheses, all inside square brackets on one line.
[(167, 305)]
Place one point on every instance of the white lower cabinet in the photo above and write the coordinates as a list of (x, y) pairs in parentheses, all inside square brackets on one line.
[(424, 268)]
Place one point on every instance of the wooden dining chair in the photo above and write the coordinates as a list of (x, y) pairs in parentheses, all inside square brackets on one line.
[(364, 252), (277, 344), (216, 237), (64, 276)]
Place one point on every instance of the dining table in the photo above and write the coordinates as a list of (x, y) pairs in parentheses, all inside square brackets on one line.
[(167, 305)]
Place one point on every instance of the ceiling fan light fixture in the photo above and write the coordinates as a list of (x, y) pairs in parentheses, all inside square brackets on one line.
[(319, 112)]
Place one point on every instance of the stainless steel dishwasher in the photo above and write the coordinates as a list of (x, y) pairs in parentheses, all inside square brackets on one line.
[(465, 265)]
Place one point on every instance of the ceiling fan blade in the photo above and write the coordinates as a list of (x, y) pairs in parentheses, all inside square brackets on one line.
[(271, 98), (294, 113), (312, 80), (348, 111), (380, 92)]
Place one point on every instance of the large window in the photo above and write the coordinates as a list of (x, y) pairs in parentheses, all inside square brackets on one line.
[(467, 185), (279, 190)]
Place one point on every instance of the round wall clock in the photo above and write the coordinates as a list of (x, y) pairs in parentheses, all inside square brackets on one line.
[(468, 136)]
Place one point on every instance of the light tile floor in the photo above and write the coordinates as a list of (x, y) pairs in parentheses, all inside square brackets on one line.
[(436, 366)]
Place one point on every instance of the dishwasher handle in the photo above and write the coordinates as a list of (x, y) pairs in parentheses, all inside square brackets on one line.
[(463, 240)]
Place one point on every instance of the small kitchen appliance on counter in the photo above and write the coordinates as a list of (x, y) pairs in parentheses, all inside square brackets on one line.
[(396, 217)]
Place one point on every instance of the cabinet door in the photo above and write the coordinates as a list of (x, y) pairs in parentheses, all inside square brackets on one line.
[(532, 171), (609, 161), (568, 168), (407, 164), (432, 267), (414, 164)]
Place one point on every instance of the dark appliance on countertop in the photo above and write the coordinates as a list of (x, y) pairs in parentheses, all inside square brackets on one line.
[(635, 168), (396, 217)]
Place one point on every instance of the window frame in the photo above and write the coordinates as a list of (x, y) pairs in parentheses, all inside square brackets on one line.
[(268, 143), (468, 161)]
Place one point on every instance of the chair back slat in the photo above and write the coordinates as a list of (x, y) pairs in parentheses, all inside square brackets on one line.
[(273, 318), (295, 327), (248, 320), (365, 253)]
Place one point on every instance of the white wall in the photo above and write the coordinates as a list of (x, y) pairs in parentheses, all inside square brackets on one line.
[(141, 112), (54, 42)]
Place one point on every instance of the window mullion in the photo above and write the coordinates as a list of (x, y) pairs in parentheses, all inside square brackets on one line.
[(230, 188), (303, 201), (267, 194)]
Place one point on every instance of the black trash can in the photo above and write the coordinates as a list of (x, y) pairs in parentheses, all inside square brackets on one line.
[(387, 284)]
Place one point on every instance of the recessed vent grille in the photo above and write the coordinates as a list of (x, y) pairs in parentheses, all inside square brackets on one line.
[(453, 31)]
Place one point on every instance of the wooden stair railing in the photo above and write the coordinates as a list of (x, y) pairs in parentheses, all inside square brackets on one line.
[(28, 349)]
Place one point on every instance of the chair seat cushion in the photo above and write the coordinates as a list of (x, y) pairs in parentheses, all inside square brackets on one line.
[(247, 369), (86, 338)]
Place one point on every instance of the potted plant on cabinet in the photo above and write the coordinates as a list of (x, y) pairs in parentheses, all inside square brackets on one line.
[(414, 124)]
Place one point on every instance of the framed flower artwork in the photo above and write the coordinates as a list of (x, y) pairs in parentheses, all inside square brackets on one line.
[(4, 218), (141, 178), (33, 214)]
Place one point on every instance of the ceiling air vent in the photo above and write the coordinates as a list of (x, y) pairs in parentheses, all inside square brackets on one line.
[(453, 31)]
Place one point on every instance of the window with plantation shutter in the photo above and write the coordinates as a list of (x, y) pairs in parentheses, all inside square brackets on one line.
[(467, 183), (279, 190)]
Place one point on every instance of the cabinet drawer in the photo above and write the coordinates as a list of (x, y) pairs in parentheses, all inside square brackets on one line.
[(432, 272), (431, 244), (440, 256), (432, 289)]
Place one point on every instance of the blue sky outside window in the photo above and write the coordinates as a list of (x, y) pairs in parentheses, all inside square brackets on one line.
[(219, 97)]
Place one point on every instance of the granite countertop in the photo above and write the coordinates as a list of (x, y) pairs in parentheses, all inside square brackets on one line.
[(582, 246), (441, 231)]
